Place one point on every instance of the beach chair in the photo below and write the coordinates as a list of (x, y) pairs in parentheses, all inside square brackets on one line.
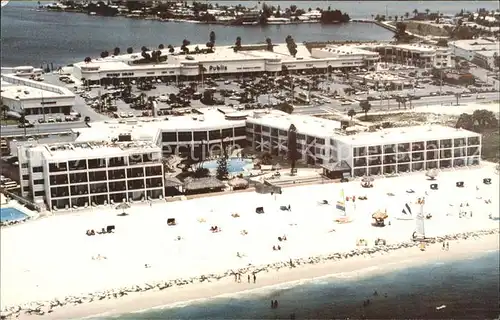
[(434, 186), (259, 210), (171, 222), (487, 180), (460, 184), (110, 229)]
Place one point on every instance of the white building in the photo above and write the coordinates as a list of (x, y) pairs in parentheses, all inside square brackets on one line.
[(480, 51), (196, 135), (34, 97), (66, 175), (399, 150), (224, 61), (267, 131)]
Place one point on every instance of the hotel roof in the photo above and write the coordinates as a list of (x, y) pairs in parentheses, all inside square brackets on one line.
[(404, 134), (15, 92), (98, 150), (148, 129), (308, 125)]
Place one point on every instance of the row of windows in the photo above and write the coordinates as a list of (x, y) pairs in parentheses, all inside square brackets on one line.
[(185, 136)]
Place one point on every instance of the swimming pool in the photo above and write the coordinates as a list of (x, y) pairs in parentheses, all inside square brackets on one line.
[(11, 214), (234, 165)]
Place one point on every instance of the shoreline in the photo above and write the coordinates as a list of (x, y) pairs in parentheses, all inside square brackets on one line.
[(378, 259)]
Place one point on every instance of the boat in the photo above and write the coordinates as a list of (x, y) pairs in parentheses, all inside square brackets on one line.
[(420, 224), (4, 3), (342, 209), (406, 213)]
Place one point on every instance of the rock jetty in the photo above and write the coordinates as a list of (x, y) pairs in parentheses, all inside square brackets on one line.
[(44, 307)]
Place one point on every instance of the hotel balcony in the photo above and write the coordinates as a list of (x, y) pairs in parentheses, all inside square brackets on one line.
[(79, 201), (459, 152), (59, 192), (58, 179), (432, 145), (417, 166), (473, 141), (116, 162), (473, 151), (116, 174), (58, 167), (374, 161), (118, 197), (98, 175), (404, 167), (373, 171), (417, 156), (60, 203), (418, 146), (389, 169), (446, 143), (360, 172), (137, 195), (155, 194), (359, 152), (431, 164), (135, 172), (444, 163), (154, 171), (135, 184), (77, 165), (389, 148), (80, 177), (360, 162), (459, 162), (96, 163), (79, 190), (390, 159), (460, 142), (403, 147), (98, 187), (117, 186), (445, 154), (403, 157), (98, 200), (374, 150), (154, 183)]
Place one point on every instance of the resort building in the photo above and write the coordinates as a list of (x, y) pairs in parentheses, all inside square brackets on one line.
[(66, 175), (195, 136), (251, 59), (32, 97), (268, 132), (399, 150), (480, 51)]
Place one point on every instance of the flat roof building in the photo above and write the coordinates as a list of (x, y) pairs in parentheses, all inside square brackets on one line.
[(34, 97), (66, 175), (480, 51)]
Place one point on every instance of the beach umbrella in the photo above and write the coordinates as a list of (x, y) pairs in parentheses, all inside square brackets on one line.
[(368, 179), (380, 215), (123, 206), (431, 174)]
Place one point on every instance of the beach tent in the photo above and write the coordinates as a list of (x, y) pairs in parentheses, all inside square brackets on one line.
[(379, 217), (123, 206)]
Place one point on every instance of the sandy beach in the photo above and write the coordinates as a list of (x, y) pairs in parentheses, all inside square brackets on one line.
[(53, 258), (353, 267)]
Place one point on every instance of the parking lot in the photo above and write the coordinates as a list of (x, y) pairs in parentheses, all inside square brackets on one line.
[(337, 91)]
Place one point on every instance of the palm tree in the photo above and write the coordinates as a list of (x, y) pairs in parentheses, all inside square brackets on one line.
[(116, 51), (407, 15), (365, 106), (351, 113), (415, 12), (458, 96), (130, 50), (427, 11), (212, 37), (171, 48), (161, 46), (104, 54), (292, 147)]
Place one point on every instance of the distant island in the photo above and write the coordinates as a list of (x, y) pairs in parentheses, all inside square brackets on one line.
[(202, 12)]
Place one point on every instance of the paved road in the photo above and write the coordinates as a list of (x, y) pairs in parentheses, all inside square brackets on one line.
[(46, 128), (383, 105)]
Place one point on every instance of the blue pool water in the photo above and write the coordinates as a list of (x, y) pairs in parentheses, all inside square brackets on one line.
[(11, 214), (234, 165)]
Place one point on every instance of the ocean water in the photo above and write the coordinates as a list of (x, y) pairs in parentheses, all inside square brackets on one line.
[(35, 38), (468, 288)]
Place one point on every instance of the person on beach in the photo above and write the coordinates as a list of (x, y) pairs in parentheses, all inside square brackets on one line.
[(272, 304), (235, 277), (239, 278), (248, 278), (444, 245), (275, 304), (447, 246), (254, 278)]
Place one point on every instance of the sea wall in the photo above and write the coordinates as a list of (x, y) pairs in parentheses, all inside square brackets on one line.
[(44, 307)]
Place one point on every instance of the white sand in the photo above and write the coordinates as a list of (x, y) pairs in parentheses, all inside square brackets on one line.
[(52, 257)]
